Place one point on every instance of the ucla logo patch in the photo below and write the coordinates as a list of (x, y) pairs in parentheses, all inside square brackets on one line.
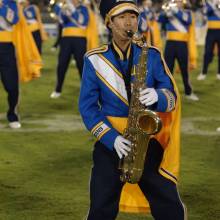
[(100, 130)]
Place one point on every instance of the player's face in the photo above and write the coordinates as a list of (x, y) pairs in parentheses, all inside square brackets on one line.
[(124, 22)]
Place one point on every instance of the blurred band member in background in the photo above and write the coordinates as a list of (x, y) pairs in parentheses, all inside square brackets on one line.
[(179, 33), (33, 17), (148, 24), (212, 11), (55, 13), (8, 64), (18, 54), (74, 41)]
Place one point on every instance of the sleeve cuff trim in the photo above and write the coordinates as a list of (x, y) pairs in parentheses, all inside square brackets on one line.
[(100, 129), (170, 99)]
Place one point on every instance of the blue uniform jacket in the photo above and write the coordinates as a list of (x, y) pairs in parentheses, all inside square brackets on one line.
[(144, 16), (183, 17), (30, 14), (9, 12), (213, 14), (79, 17), (103, 90), (57, 9)]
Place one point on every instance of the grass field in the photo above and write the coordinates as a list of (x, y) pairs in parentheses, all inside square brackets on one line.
[(45, 166)]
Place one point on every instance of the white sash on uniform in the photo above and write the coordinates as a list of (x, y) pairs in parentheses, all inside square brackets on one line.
[(214, 8), (178, 25), (113, 80), (5, 25)]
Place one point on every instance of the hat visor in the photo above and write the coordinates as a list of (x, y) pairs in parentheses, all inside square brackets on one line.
[(121, 8)]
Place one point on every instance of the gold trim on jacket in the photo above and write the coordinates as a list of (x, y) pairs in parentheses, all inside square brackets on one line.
[(5, 36), (73, 32)]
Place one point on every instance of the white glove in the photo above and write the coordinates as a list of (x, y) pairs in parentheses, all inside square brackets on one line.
[(71, 6), (169, 13), (122, 146), (148, 96), (174, 9)]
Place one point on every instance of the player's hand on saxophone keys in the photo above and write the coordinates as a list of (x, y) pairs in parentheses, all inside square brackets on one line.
[(122, 146), (148, 96)]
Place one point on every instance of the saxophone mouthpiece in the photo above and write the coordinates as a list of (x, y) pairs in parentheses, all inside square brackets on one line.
[(130, 33)]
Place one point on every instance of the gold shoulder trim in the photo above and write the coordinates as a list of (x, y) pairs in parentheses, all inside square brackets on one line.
[(156, 48), (97, 50)]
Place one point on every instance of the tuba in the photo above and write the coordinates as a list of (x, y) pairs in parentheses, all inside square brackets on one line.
[(142, 124)]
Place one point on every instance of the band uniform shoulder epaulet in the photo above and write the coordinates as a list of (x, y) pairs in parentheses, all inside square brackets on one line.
[(140, 44), (97, 50)]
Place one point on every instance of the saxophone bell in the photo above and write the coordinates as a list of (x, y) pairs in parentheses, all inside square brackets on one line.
[(149, 122)]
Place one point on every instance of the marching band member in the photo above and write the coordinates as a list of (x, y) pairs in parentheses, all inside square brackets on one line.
[(148, 24), (104, 105), (212, 10), (33, 17), (180, 31), (8, 64), (15, 38), (76, 35)]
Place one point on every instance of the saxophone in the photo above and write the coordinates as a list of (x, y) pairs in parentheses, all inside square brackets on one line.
[(142, 123)]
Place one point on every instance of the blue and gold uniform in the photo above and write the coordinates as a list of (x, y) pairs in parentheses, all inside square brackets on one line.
[(30, 13), (8, 65), (143, 27), (104, 106), (104, 101), (148, 26), (57, 14), (33, 18), (73, 41), (104, 73), (178, 24), (213, 36)]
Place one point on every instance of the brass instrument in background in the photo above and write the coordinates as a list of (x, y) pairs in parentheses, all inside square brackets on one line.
[(50, 7), (142, 123), (218, 5), (168, 5)]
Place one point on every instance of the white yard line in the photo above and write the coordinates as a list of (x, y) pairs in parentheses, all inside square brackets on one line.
[(56, 123)]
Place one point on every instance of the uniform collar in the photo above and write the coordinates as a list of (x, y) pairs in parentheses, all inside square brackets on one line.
[(122, 55)]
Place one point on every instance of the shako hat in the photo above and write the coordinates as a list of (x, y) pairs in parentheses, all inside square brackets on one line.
[(110, 8)]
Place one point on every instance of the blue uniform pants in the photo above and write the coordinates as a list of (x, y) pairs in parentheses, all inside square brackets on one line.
[(38, 41), (212, 39), (178, 50), (105, 186), (70, 46), (9, 78)]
